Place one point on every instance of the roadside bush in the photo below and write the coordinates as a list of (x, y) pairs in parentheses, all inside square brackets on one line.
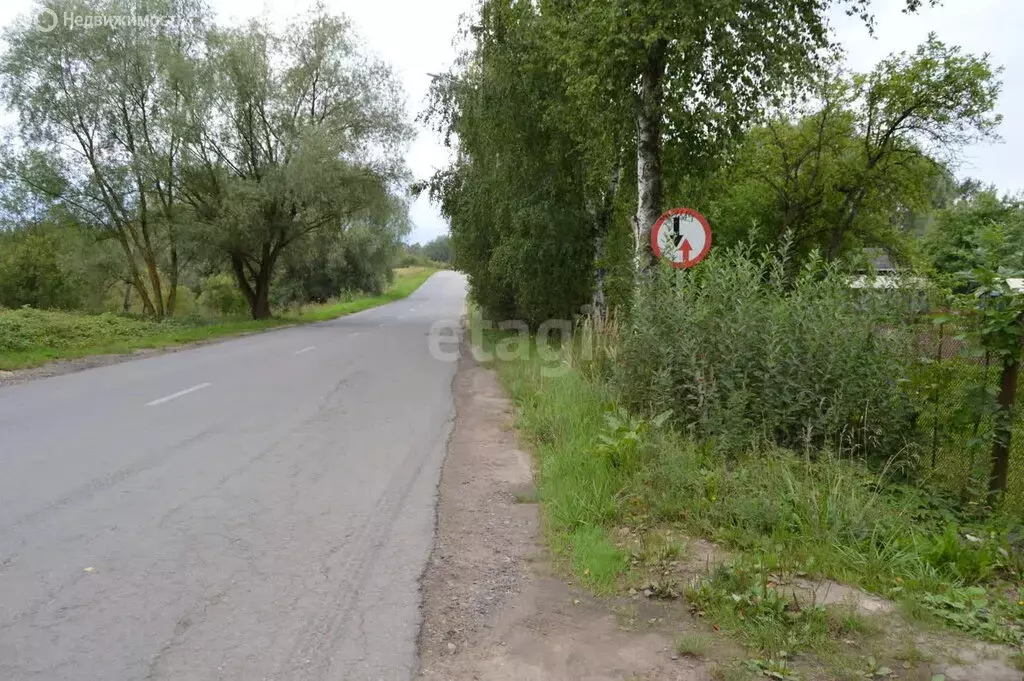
[(220, 295), (745, 353), (32, 272), (27, 329)]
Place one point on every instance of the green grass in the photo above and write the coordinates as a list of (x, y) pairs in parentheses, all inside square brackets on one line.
[(31, 338), (693, 645), (742, 597), (406, 281), (600, 469), (595, 559)]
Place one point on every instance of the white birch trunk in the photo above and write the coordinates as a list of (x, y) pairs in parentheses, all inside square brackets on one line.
[(648, 153)]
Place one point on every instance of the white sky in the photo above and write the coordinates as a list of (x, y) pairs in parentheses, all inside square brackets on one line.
[(416, 38)]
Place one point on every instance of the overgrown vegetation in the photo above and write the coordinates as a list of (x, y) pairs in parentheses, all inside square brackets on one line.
[(779, 398), (30, 337), (576, 126), (772, 415), (744, 351), (150, 159)]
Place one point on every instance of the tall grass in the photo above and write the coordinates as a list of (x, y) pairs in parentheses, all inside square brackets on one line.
[(767, 412), (784, 511), (745, 352)]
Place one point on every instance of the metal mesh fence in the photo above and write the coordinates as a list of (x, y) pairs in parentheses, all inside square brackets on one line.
[(957, 383)]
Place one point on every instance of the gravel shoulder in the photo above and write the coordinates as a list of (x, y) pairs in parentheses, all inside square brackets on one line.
[(493, 608)]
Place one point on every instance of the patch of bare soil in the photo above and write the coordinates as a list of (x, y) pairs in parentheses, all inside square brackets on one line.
[(493, 609), (910, 652)]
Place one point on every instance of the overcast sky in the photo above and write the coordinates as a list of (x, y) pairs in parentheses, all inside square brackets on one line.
[(415, 37)]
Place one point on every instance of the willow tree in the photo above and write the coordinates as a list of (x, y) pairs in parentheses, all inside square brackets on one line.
[(294, 132), (99, 113)]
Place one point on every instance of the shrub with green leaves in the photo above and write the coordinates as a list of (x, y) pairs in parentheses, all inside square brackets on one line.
[(220, 295), (28, 329), (747, 352)]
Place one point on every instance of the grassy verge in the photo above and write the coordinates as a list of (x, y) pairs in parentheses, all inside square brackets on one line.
[(407, 280), (30, 338), (604, 474)]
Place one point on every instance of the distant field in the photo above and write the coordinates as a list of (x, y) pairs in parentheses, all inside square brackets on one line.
[(29, 337)]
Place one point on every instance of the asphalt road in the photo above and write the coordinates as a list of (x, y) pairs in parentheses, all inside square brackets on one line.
[(260, 508)]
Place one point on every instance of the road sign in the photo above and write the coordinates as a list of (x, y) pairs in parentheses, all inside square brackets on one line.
[(682, 235)]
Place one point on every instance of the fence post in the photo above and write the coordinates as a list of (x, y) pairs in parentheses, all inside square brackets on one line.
[(1004, 426)]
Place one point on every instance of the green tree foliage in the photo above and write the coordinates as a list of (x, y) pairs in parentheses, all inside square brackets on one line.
[(552, 99), (515, 195), (220, 295), (976, 245), (31, 272), (978, 230), (845, 175), (1000, 330), (439, 249), (99, 111), (52, 265), (197, 149), (689, 76), (330, 263), (297, 133)]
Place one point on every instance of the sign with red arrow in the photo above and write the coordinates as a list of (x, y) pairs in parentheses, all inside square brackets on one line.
[(682, 235)]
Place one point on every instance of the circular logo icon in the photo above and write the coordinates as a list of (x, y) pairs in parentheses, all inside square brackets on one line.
[(47, 20)]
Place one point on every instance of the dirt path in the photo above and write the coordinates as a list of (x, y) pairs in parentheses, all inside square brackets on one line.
[(492, 608)]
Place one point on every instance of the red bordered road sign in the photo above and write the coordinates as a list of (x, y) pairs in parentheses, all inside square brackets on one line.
[(682, 235)]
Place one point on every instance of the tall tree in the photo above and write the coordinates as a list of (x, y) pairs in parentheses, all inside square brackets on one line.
[(874, 147), (928, 104), (297, 132), (690, 74), (102, 107), (522, 225)]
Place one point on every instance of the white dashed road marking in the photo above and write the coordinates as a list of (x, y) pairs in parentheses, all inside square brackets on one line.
[(178, 394), (311, 347)]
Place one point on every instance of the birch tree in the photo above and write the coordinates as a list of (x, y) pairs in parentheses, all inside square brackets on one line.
[(690, 74)]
